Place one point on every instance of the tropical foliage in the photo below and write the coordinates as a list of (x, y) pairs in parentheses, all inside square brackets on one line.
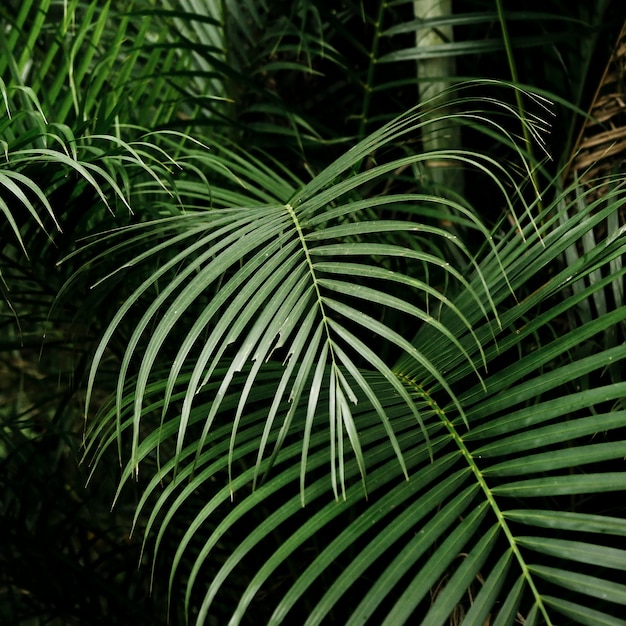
[(339, 348)]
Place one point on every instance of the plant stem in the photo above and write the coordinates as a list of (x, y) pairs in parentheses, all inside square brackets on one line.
[(532, 174)]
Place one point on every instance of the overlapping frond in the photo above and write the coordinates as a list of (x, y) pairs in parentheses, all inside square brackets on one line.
[(331, 383), (276, 379), (262, 280), (490, 493)]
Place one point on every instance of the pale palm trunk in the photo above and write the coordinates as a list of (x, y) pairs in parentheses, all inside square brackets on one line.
[(435, 76)]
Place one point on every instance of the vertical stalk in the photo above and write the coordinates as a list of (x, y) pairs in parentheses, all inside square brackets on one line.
[(435, 76), (369, 80), (532, 174)]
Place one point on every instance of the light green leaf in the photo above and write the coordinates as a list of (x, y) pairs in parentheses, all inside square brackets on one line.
[(582, 583), (583, 614), (577, 551)]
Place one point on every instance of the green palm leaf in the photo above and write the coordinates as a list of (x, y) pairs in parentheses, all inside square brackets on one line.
[(345, 399), (271, 294), (225, 401)]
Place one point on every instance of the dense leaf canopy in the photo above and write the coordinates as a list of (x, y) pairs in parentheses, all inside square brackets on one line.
[(348, 349)]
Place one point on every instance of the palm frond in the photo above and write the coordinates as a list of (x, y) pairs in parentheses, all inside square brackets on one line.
[(268, 279), (344, 391), (260, 264)]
